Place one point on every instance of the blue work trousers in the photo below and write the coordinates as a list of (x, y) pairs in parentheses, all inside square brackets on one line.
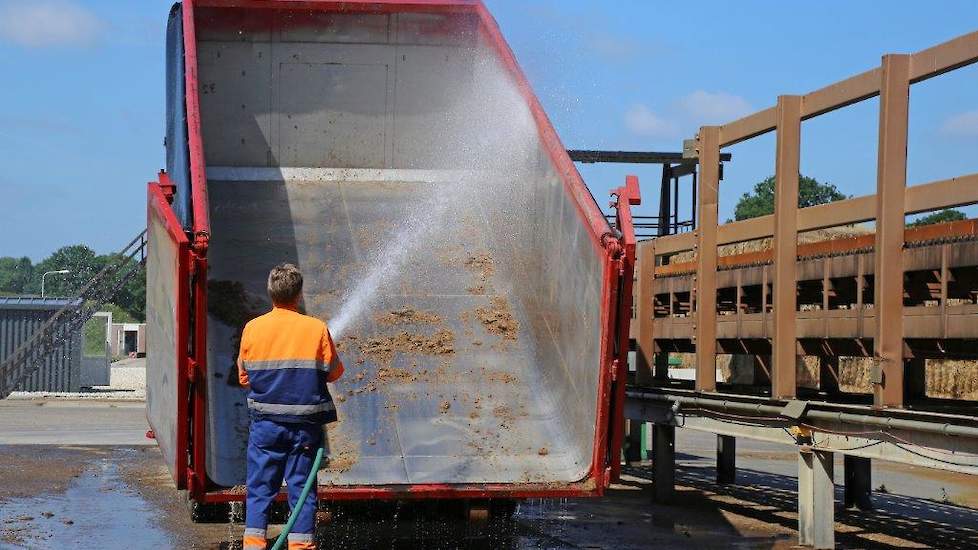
[(278, 451)]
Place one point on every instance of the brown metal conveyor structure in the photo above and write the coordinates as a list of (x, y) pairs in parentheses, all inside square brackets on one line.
[(896, 297)]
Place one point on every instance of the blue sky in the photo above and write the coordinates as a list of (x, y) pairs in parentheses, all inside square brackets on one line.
[(81, 108)]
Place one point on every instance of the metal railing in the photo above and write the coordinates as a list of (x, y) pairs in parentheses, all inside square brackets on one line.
[(893, 201), (65, 322), (648, 227)]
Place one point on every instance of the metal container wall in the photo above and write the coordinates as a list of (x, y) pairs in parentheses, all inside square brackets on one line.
[(166, 323), (336, 135), (319, 143), (19, 318)]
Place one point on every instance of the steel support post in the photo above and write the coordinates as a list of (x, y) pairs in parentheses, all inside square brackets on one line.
[(915, 378), (858, 482), (706, 258), (665, 202), (816, 499), (726, 459), (828, 374), (644, 313), (891, 187), (663, 462), (662, 367), (633, 442), (784, 343)]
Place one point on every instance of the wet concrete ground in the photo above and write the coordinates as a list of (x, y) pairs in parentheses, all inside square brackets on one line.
[(115, 493)]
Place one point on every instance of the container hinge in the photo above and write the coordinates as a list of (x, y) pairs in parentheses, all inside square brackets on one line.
[(614, 370), (611, 241), (200, 243), (193, 370)]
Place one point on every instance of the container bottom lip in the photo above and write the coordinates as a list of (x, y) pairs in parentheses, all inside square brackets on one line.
[(587, 487)]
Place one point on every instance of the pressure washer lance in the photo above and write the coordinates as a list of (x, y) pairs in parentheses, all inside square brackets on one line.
[(313, 474)]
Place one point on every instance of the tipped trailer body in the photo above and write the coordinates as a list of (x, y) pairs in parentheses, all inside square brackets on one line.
[(394, 151)]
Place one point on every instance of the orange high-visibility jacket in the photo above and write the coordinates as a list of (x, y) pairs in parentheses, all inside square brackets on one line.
[(286, 358)]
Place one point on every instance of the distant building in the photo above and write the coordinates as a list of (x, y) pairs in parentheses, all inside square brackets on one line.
[(127, 339)]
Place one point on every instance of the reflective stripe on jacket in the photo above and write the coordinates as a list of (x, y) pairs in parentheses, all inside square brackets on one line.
[(287, 358)]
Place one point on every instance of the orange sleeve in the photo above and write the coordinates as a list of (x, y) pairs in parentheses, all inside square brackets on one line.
[(331, 357)]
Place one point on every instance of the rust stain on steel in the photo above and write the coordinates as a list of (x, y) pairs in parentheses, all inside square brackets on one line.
[(891, 186), (786, 246), (706, 258)]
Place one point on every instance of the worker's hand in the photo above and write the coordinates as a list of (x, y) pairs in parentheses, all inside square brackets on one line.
[(242, 375), (335, 371)]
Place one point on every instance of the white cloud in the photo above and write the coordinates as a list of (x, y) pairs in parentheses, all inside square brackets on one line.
[(714, 108), (961, 125), (641, 121), (47, 23), (613, 47)]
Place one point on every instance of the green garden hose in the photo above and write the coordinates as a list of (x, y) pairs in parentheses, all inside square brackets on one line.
[(302, 499)]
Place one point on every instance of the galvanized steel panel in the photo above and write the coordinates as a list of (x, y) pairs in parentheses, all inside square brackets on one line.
[(507, 400), (164, 268), (20, 317), (319, 151)]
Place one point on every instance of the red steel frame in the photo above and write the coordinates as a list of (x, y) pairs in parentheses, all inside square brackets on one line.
[(626, 197), (617, 255)]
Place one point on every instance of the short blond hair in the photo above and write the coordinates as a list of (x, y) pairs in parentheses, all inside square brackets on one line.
[(284, 284)]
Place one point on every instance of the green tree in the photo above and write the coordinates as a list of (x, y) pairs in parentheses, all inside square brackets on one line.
[(83, 264), (15, 274), (131, 298), (942, 216), (760, 201)]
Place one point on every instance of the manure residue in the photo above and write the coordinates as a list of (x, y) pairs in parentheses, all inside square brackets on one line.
[(382, 348), (408, 316), (498, 318), (343, 452)]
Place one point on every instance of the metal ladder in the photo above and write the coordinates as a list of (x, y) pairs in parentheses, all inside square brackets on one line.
[(65, 322)]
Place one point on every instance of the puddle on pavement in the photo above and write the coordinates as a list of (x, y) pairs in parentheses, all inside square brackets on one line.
[(98, 510)]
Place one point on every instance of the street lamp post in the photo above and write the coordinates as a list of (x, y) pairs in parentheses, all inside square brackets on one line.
[(46, 273)]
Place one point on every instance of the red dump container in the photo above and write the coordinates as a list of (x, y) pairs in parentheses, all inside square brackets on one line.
[(395, 152)]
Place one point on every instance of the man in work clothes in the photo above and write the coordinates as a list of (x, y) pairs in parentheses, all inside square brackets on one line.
[(285, 361)]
